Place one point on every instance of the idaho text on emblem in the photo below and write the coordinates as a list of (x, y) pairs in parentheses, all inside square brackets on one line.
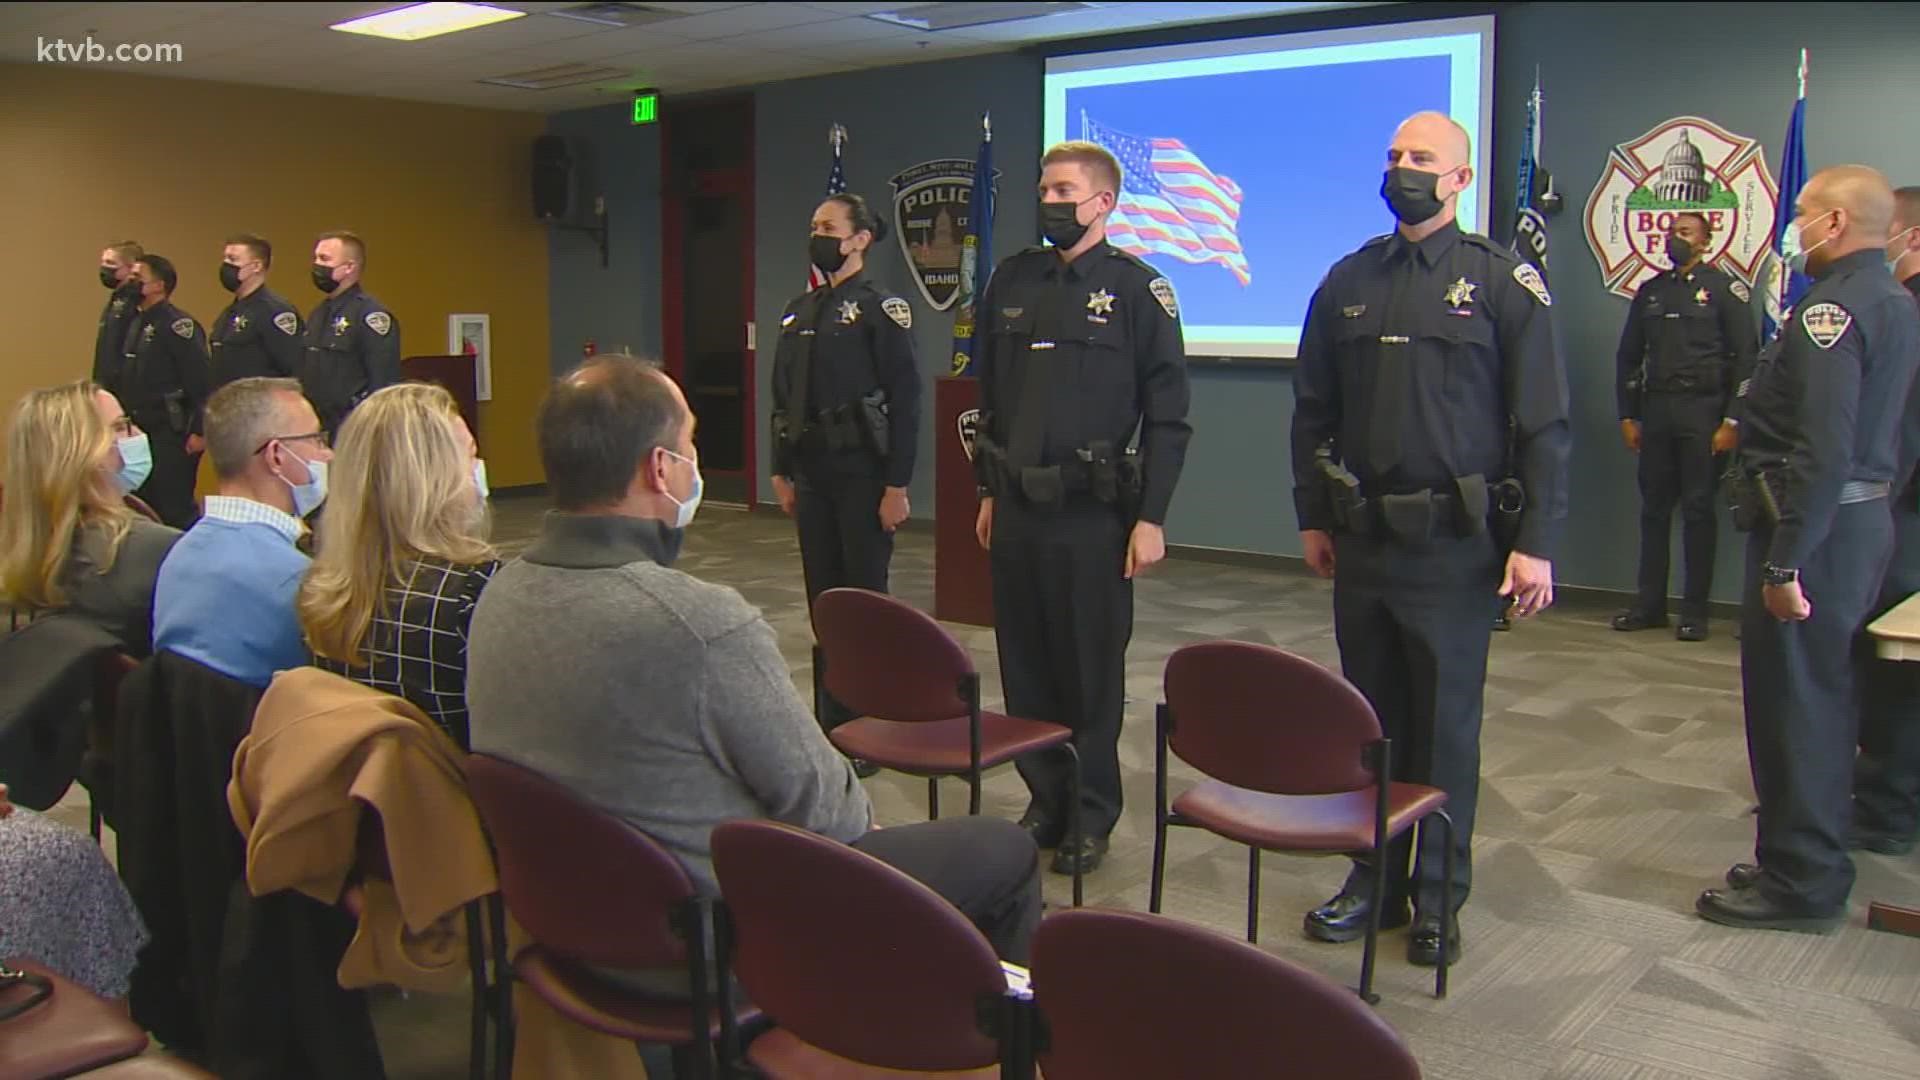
[(1686, 165), (930, 203)]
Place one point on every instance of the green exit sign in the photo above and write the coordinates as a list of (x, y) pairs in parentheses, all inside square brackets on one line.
[(646, 107)]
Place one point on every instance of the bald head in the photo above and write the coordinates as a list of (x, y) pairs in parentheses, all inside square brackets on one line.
[(1843, 209), (1434, 136)]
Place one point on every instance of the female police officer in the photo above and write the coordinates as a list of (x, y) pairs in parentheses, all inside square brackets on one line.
[(846, 410)]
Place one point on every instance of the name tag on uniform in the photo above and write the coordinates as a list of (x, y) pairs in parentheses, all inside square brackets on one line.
[(1394, 339), (1036, 346)]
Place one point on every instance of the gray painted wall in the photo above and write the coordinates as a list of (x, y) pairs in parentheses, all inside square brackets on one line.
[(618, 306)]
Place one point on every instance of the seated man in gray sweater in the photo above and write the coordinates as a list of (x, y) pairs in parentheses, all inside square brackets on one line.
[(663, 698)]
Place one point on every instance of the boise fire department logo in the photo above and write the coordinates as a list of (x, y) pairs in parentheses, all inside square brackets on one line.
[(930, 203), (1683, 165)]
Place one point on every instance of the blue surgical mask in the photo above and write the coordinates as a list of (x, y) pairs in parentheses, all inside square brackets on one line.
[(480, 477), (1793, 245), (686, 510), (307, 497), (136, 462), (1899, 238)]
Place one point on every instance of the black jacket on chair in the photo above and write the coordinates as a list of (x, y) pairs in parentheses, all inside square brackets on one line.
[(48, 671)]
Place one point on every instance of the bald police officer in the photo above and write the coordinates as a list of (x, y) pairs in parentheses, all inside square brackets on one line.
[(164, 384), (110, 341), (1417, 352), (352, 341), (1819, 451), (1083, 349), (259, 333)]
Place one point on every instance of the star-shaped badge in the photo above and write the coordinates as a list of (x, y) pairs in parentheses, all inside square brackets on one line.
[(849, 311), (146, 333), (239, 322), (340, 324), (1100, 303), (1460, 293), (1701, 297)]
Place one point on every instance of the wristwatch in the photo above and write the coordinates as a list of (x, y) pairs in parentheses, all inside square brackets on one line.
[(1778, 575)]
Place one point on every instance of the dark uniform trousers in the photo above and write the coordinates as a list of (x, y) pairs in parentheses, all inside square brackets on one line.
[(1414, 625), (1677, 468), (169, 488), (1886, 793), (1802, 705), (1063, 615), (837, 512)]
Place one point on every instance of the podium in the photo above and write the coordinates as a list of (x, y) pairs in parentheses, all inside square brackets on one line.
[(456, 374), (962, 582)]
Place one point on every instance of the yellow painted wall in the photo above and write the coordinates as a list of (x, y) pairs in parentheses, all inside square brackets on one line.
[(440, 193)]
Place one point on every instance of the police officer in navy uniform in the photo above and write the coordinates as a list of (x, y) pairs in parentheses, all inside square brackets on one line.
[(259, 333), (164, 384), (1418, 351), (1820, 432), (1886, 789), (1687, 347), (352, 345), (1083, 349), (846, 412), (110, 342)]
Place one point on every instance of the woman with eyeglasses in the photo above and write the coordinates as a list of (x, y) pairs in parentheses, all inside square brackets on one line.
[(402, 552), (68, 540)]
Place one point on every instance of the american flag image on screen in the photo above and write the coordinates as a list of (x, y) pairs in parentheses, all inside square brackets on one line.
[(1171, 203)]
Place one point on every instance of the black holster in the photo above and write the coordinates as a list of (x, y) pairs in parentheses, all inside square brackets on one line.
[(873, 416), (1507, 505), (1350, 510), (178, 418)]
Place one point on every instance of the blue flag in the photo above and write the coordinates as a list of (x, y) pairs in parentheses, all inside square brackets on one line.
[(1529, 226), (976, 251), (1785, 286)]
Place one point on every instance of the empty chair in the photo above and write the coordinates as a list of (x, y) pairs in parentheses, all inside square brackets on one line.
[(1123, 994), (861, 967), (1295, 759), (916, 694)]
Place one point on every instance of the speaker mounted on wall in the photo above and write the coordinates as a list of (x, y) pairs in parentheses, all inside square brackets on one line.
[(553, 187)]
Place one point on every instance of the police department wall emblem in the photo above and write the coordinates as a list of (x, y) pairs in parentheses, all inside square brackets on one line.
[(968, 424), (1685, 164), (930, 207)]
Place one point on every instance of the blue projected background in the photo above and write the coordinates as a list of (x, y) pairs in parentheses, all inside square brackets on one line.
[(1260, 159)]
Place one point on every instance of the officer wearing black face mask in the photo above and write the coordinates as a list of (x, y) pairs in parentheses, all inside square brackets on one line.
[(259, 333), (352, 345), (1688, 345), (1430, 443), (164, 385), (109, 344), (1083, 352), (846, 411)]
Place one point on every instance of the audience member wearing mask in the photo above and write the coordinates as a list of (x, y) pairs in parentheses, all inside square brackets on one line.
[(226, 592), (68, 542), (402, 552)]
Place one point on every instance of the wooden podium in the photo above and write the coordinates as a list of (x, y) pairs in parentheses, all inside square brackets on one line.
[(962, 585), (456, 374)]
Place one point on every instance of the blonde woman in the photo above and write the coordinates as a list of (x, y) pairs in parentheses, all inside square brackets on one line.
[(403, 553), (68, 541)]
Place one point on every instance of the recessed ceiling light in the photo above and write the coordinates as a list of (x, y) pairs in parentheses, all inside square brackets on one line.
[(550, 78), (955, 16), (418, 21)]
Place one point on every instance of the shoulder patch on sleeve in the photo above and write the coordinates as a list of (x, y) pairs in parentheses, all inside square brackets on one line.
[(1162, 290), (1530, 280), (899, 311), (379, 322), (183, 327), (287, 322), (1739, 291), (1826, 324)]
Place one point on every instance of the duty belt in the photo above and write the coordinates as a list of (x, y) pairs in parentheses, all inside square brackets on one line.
[(1859, 491)]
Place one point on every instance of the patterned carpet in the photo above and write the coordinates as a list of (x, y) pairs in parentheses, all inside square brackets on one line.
[(1615, 788)]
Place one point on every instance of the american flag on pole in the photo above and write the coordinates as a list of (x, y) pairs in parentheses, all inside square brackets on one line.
[(1171, 203), (836, 183)]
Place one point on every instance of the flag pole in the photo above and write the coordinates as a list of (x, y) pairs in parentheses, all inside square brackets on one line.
[(1803, 74), (986, 126)]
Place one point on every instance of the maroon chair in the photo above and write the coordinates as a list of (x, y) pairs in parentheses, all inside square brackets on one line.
[(51, 1027), (1121, 993), (1295, 756), (917, 696), (96, 765), (861, 968), (590, 889)]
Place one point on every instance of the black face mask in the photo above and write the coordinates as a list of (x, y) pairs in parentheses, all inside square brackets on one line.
[(824, 252), (323, 278), (1679, 251), (1060, 224), (229, 277), (1413, 196), (107, 278)]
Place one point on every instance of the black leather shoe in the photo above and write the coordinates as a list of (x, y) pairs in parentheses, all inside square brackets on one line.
[(1631, 620), (1045, 831), (863, 768), (1880, 843), (1423, 945), (1691, 630), (1749, 909), (1742, 875), (1502, 622), (1085, 856), (1344, 918)]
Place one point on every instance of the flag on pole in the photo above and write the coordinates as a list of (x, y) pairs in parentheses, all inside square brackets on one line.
[(1784, 285), (836, 183), (976, 251), (1529, 226)]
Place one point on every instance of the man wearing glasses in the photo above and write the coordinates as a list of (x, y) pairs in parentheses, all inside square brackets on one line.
[(225, 595)]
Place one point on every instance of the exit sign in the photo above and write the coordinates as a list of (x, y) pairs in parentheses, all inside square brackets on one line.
[(646, 107)]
